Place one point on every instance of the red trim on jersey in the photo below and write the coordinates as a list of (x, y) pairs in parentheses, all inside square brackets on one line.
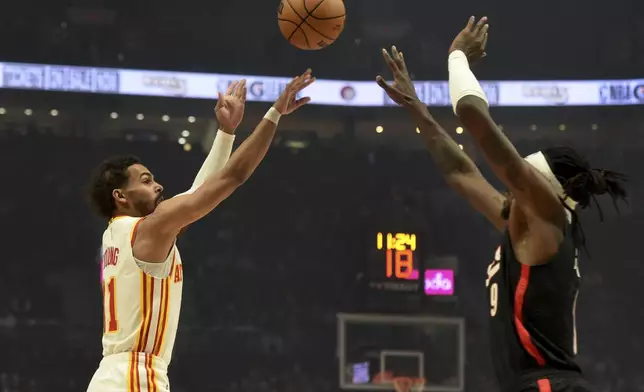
[(149, 369), (130, 387), (544, 385), (163, 309), (148, 317), (133, 234), (136, 372), (524, 335)]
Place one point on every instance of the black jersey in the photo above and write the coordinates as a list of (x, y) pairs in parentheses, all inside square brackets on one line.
[(532, 312)]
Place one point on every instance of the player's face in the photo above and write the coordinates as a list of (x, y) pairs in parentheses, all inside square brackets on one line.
[(143, 194)]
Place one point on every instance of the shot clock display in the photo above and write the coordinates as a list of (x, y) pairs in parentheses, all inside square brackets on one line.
[(396, 265), (399, 249)]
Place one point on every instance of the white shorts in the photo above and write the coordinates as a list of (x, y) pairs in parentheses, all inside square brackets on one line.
[(130, 372)]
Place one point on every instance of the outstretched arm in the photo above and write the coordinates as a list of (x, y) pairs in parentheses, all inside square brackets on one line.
[(157, 232), (459, 170), (531, 190), (222, 146)]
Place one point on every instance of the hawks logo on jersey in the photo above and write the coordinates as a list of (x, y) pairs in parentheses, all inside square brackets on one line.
[(141, 301)]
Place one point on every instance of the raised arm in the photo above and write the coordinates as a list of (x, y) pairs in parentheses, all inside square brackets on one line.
[(228, 121), (157, 232), (532, 192), (459, 170)]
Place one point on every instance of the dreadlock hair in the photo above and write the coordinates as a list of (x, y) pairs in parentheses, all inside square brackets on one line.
[(110, 175), (582, 183)]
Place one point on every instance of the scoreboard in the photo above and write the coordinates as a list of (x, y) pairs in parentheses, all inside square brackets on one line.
[(399, 249), (395, 264)]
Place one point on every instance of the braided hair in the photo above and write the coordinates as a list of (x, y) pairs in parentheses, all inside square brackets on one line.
[(582, 183)]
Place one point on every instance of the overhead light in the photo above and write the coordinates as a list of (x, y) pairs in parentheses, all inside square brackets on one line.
[(562, 127), (459, 130), (114, 115), (182, 140), (187, 147), (140, 116), (165, 118), (379, 129), (54, 112), (192, 119), (533, 127), (417, 130), (460, 146), (594, 127), (185, 133), (3, 111), (28, 112)]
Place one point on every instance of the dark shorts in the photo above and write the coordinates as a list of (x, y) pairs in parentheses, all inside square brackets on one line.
[(555, 382)]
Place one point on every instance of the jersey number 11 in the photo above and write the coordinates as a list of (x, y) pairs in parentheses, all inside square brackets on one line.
[(110, 323)]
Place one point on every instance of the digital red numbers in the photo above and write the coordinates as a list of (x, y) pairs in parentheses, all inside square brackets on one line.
[(399, 249)]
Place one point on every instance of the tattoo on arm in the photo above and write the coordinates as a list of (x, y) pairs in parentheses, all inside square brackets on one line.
[(500, 152), (448, 156), (446, 153)]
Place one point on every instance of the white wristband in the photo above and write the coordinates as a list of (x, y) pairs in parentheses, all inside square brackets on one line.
[(273, 115), (224, 139), (462, 81)]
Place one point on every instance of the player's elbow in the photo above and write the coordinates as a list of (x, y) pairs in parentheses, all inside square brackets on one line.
[(236, 175), (471, 106)]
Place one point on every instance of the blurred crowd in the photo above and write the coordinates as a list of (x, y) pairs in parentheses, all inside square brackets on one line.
[(267, 271), (230, 36)]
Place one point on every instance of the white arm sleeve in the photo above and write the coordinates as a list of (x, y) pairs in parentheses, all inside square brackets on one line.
[(217, 158), (462, 81)]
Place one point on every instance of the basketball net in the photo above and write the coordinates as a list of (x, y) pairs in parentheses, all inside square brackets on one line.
[(408, 384)]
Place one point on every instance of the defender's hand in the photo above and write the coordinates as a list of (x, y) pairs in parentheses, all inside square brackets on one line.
[(472, 40), (402, 89), (287, 103), (230, 106)]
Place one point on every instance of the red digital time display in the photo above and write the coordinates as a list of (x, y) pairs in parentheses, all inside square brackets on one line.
[(399, 249)]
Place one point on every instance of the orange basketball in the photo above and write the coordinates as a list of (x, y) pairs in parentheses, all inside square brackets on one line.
[(311, 24)]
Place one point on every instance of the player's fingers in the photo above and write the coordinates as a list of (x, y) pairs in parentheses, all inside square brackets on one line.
[(398, 58), (480, 25), (220, 101), (244, 93), (240, 89), (470, 24), (389, 89), (403, 64), (390, 62), (231, 88), (306, 75), (484, 43), (306, 83), (483, 33), (291, 86), (302, 101)]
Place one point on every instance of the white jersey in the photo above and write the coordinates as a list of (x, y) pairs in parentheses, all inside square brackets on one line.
[(141, 301)]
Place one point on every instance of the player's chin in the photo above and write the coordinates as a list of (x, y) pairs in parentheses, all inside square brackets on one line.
[(154, 204)]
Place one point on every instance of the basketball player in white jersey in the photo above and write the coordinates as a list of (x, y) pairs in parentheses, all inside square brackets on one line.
[(142, 271)]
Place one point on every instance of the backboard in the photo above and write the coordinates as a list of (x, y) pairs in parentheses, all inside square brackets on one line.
[(375, 349)]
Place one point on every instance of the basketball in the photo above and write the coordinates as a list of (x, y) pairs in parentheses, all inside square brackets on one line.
[(311, 24)]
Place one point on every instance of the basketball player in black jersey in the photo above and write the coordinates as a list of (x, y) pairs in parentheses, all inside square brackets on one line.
[(533, 280)]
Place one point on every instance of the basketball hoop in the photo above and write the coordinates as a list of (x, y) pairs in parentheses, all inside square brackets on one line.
[(409, 384)]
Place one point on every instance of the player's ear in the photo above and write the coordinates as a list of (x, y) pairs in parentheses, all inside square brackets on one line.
[(119, 196)]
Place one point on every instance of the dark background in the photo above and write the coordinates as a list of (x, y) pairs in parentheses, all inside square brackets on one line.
[(269, 269)]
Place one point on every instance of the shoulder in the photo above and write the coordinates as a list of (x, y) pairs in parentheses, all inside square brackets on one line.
[(535, 241), (124, 225)]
